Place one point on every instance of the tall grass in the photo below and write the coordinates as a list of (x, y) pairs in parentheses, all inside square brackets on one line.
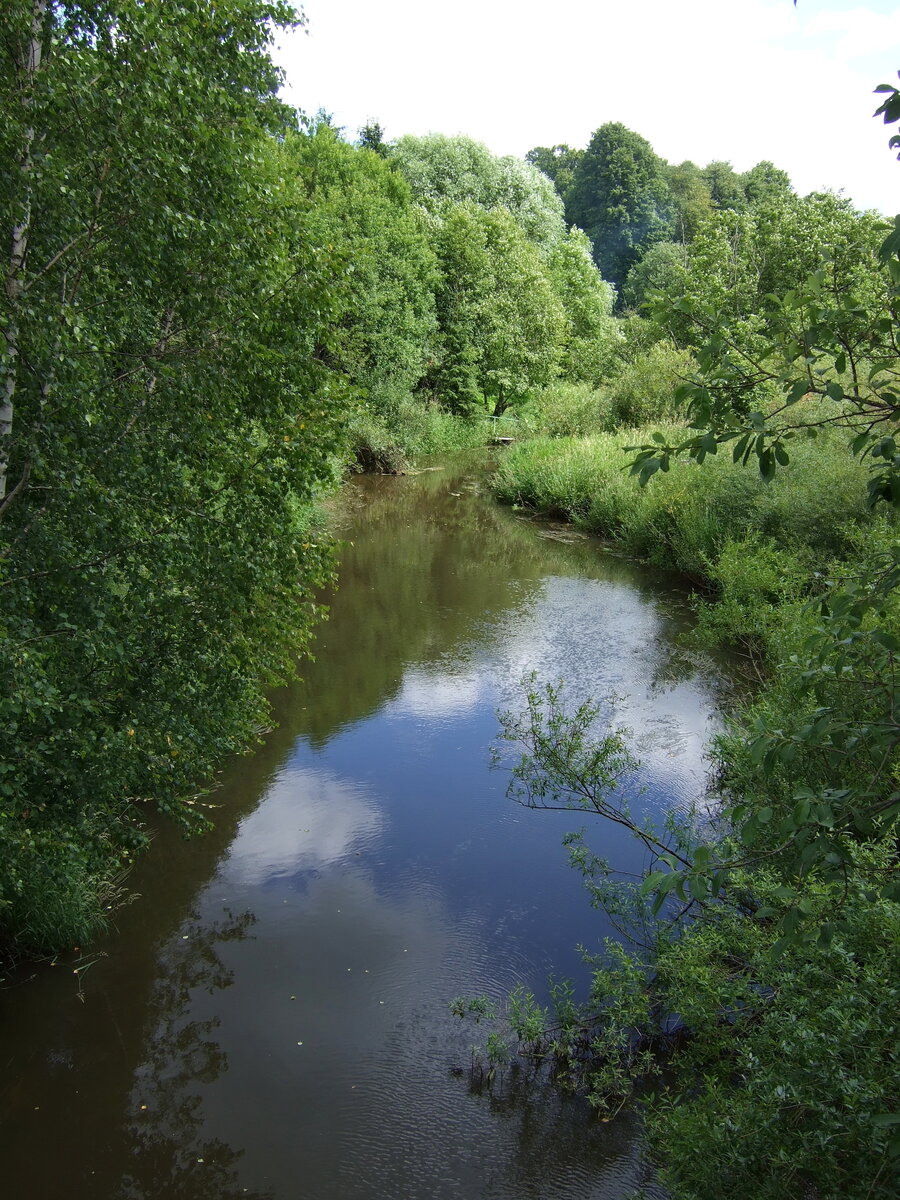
[(391, 439), (639, 390), (685, 518)]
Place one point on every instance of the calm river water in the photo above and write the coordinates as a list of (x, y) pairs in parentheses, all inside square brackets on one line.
[(269, 1017)]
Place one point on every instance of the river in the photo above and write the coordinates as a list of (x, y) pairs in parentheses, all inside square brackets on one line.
[(268, 1017)]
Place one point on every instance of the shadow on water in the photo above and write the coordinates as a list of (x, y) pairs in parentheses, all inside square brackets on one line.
[(269, 1017)]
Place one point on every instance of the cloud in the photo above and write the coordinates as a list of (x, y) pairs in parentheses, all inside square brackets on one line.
[(700, 79), (436, 694)]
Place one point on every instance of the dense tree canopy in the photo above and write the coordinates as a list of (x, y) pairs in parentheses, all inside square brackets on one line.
[(725, 186), (445, 170), (691, 197), (620, 198), (383, 333), (765, 182), (558, 163), (501, 323), (587, 300), (166, 417), (663, 268)]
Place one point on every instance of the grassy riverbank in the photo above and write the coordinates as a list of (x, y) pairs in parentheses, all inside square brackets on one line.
[(753, 544)]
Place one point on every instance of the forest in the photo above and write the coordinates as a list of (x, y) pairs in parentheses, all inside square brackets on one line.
[(215, 308)]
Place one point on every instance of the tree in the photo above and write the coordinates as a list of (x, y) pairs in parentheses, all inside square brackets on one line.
[(382, 335), (591, 332), (558, 163), (620, 199), (691, 196), (443, 171), (832, 336), (501, 323), (170, 420), (738, 261), (371, 137), (662, 269), (765, 182), (725, 187), (719, 270)]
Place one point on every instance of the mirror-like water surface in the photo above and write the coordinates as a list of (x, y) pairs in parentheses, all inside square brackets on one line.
[(269, 1017)]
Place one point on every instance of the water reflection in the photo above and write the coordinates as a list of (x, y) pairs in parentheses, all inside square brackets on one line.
[(310, 819), (171, 1152), (303, 1049)]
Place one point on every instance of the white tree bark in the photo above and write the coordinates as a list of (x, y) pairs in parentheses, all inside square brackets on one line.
[(19, 249)]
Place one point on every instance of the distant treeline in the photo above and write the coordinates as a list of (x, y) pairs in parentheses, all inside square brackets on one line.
[(627, 199)]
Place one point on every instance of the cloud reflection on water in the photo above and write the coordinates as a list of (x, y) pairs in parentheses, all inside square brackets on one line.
[(603, 639), (308, 820)]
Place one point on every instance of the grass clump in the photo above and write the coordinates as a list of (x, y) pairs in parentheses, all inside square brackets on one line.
[(388, 440), (567, 410), (640, 389), (643, 389)]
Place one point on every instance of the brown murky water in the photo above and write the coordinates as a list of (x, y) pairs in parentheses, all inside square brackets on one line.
[(269, 1016)]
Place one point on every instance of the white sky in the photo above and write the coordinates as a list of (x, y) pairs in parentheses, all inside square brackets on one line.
[(740, 80)]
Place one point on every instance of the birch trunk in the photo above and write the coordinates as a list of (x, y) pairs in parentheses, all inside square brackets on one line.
[(19, 249)]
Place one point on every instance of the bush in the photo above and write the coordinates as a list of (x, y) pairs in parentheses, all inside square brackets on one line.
[(643, 390), (567, 410), (755, 578), (388, 441)]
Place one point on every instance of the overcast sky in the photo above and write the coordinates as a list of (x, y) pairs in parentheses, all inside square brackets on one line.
[(740, 80)]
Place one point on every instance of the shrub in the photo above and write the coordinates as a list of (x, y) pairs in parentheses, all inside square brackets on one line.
[(567, 410), (643, 391), (388, 441)]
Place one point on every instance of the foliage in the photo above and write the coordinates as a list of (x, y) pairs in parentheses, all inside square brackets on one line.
[(691, 197), (889, 110), (796, 236), (739, 263), (382, 335), (764, 183), (444, 171), (687, 516), (558, 163), (371, 137), (620, 198), (501, 324), (566, 410), (803, 1033), (720, 273), (663, 268), (833, 336), (725, 187), (645, 390), (591, 335), (170, 423), (386, 440)]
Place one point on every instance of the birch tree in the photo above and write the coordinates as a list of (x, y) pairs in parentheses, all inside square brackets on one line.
[(163, 303), (27, 54)]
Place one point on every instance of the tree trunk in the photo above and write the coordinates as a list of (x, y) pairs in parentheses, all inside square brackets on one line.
[(19, 249)]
